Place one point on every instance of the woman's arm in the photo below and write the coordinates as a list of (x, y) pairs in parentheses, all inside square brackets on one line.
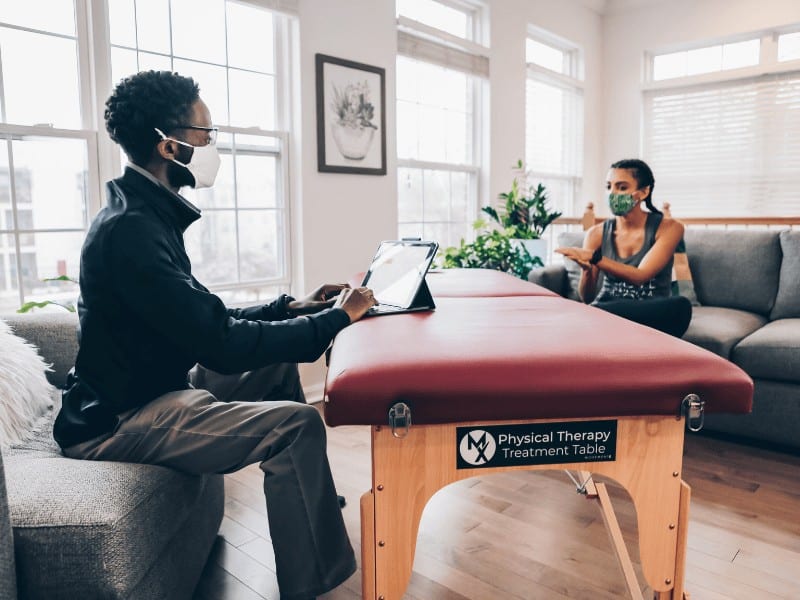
[(668, 237), (591, 242), (587, 287)]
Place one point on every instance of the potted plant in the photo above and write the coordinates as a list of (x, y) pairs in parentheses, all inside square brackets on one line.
[(524, 217), (491, 250), (522, 220)]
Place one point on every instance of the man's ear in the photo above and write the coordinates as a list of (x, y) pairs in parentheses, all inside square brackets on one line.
[(166, 149)]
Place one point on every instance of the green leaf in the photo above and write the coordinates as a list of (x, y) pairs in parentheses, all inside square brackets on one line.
[(29, 306), (490, 210), (61, 278)]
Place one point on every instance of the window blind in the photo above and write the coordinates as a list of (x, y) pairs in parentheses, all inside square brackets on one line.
[(726, 149), (287, 7), (414, 46)]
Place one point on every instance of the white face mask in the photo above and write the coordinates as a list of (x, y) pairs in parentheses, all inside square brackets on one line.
[(203, 165)]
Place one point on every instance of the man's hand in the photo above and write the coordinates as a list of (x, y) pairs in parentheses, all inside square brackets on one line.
[(355, 302), (321, 298)]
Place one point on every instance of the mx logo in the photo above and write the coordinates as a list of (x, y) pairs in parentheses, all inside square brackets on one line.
[(477, 447)]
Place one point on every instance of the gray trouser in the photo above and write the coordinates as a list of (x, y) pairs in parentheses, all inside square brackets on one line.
[(229, 422)]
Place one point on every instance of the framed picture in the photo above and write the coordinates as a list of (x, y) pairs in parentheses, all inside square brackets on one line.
[(351, 117)]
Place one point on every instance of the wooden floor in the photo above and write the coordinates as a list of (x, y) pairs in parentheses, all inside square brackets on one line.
[(531, 536)]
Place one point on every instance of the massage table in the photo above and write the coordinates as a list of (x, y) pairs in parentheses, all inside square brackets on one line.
[(505, 375)]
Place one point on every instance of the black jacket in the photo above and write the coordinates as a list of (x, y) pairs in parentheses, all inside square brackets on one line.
[(145, 320)]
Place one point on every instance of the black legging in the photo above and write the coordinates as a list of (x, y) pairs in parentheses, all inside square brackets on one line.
[(670, 315)]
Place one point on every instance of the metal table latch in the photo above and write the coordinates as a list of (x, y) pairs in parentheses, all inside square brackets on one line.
[(695, 411), (400, 419)]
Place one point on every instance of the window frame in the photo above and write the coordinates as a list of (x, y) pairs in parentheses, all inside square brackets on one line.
[(767, 67), (768, 61), (478, 46), (87, 132), (571, 80), (93, 41), (283, 205)]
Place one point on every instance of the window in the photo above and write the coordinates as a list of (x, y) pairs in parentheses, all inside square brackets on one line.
[(440, 76), (46, 171), (725, 145), (53, 159), (789, 46), (554, 120), (438, 15), (709, 59), (241, 243)]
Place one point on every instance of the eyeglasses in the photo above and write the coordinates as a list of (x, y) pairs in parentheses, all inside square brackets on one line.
[(212, 132)]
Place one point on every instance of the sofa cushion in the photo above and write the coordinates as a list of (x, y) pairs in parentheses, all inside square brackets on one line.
[(787, 303), (91, 527), (775, 418), (735, 269), (682, 282), (772, 352), (552, 277), (720, 329), (8, 578)]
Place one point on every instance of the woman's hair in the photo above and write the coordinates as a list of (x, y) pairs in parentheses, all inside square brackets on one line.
[(643, 175), (144, 101)]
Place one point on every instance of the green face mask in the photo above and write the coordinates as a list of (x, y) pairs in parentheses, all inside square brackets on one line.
[(621, 204)]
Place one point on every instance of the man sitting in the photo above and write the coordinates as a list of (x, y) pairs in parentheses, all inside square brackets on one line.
[(146, 322)]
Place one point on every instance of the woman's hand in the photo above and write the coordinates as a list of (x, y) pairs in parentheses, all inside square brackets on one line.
[(321, 298), (582, 256)]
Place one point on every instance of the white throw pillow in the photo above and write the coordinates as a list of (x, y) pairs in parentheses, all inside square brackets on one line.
[(25, 393)]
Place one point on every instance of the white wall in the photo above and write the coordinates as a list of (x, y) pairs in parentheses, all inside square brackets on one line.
[(344, 216), (570, 20), (630, 32), (339, 219)]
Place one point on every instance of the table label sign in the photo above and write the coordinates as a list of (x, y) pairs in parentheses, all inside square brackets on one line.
[(536, 444)]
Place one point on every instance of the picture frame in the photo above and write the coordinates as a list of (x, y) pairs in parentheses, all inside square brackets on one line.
[(351, 116)]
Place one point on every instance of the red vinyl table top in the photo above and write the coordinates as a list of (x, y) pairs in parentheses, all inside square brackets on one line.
[(519, 357), (457, 283)]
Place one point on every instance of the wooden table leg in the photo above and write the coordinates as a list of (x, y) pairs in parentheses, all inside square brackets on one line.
[(683, 532), (615, 536), (368, 546), (407, 471)]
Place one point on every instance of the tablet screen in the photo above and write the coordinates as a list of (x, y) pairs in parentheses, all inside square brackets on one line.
[(398, 270)]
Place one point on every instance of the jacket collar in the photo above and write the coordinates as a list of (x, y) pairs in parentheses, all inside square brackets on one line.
[(171, 206)]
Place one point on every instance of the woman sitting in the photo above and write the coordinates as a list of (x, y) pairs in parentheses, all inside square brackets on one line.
[(635, 251)]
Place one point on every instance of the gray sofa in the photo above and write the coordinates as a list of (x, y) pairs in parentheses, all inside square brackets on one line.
[(84, 529), (748, 286)]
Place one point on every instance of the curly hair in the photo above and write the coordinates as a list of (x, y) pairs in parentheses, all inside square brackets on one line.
[(643, 175), (143, 102)]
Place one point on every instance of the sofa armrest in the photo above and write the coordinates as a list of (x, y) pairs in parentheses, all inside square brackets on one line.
[(55, 334), (553, 277), (8, 579)]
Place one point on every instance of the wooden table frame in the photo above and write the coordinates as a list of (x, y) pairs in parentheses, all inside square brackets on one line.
[(408, 471)]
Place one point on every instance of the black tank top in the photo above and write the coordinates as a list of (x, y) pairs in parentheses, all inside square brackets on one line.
[(617, 289)]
